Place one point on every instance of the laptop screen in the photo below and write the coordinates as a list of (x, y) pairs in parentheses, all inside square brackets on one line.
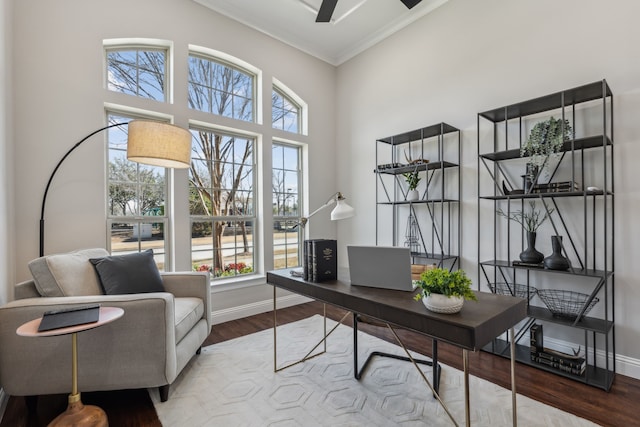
[(387, 267)]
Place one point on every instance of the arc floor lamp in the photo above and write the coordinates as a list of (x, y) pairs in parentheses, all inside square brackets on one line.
[(148, 142)]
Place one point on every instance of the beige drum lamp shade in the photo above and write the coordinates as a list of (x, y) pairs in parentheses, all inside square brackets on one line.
[(159, 144)]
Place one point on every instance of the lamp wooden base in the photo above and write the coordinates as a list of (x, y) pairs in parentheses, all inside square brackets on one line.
[(80, 415)]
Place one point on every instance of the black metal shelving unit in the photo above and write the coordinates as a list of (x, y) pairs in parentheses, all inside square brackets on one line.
[(436, 213), (585, 217)]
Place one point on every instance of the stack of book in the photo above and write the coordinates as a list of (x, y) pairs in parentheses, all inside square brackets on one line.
[(320, 260), (556, 187), (569, 363)]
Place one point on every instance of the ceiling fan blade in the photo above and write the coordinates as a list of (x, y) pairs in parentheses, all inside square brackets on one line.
[(410, 3), (326, 10)]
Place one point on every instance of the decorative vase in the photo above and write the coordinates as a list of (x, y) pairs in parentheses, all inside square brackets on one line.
[(413, 195), (439, 303), (531, 255), (556, 261)]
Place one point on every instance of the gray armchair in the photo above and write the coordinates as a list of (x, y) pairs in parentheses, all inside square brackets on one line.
[(148, 347)]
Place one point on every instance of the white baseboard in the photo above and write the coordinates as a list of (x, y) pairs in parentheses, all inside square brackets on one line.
[(234, 313)]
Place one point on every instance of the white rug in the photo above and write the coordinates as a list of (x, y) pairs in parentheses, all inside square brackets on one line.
[(232, 384)]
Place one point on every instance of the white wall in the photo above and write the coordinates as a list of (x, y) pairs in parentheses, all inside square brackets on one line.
[(470, 56), (6, 150), (58, 82)]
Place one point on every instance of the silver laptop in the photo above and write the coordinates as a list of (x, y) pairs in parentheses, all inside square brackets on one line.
[(386, 267)]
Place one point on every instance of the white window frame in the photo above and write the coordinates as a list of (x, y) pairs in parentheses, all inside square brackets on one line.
[(257, 197), (142, 44), (303, 108), (300, 172), (133, 113), (240, 65)]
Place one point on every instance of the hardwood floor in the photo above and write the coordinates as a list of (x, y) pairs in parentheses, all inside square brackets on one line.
[(134, 408), (614, 408)]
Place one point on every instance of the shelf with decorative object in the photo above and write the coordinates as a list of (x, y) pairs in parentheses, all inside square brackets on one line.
[(545, 166), (427, 219)]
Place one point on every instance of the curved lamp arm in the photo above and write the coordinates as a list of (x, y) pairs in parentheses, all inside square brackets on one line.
[(46, 190), (341, 211), (149, 142)]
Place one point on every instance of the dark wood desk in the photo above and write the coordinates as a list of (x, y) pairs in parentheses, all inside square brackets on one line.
[(475, 326)]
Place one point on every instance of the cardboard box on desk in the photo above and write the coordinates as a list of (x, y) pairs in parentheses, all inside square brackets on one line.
[(418, 269)]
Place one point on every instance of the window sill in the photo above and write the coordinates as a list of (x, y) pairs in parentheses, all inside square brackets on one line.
[(223, 285)]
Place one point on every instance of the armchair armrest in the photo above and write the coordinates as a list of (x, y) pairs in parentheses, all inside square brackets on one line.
[(191, 284), (140, 345)]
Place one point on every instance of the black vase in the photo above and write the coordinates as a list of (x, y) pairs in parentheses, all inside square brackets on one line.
[(531, 255), (556, 261)]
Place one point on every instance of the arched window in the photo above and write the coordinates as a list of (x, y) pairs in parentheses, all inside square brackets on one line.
[(139, 72), (285, 112), (219, 88), (224, 112)]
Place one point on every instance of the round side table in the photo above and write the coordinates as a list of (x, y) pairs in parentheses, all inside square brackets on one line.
[(76, 414)]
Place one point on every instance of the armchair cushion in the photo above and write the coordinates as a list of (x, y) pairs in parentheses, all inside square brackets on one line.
[(128, 274), (65, 275)]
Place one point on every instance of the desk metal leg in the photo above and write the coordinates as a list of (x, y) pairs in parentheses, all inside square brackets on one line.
[(513, 377), (415, 364), (358, 372), (308, 355), (467, 406)]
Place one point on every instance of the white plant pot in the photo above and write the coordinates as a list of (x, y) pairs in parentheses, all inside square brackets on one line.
[(413, 195), (443, 304)]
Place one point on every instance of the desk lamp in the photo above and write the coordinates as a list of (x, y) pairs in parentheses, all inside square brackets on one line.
[(341, 211)]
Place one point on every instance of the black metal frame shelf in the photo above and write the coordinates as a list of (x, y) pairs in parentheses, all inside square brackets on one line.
[(432, 255), (573, 145), (417, 167), (437, 210), (589, 234), (438, 129), (593, 376), (589, 92), (601, 274), (548, 195), (593, 324), (419, 202)]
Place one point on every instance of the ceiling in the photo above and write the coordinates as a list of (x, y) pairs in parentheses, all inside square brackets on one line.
[(355, 26)]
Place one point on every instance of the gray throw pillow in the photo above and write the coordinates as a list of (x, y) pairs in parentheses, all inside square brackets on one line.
[(128, 274), (67, 275)]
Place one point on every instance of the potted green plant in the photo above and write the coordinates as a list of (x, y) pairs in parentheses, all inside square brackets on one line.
[(530, 221), (413, 179), (545, 140), (444, 291)]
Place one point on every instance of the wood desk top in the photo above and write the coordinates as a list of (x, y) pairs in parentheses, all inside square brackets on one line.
[(107, 314), (472, 328)]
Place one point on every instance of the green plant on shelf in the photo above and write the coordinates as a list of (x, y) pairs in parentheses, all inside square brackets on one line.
[(546, 140), (412, 178)]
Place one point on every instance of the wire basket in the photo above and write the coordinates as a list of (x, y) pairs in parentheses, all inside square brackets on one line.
[(513, 289), (566, 304)]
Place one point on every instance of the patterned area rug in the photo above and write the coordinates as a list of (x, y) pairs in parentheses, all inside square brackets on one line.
[(233, 384)]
